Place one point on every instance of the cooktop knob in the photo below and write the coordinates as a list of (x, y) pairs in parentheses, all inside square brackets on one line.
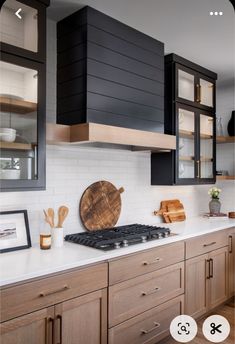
[(125, 243), (117, 245), (144, 238)]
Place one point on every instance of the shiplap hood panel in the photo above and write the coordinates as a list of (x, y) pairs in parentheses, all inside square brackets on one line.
[(110, 76)]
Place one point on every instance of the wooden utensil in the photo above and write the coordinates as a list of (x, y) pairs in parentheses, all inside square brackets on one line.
[(100, 206), (62, 214), (51, 214), (48, 218), (172, 211)]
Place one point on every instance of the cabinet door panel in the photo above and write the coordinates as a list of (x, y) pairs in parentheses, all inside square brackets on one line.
[(33, 328), (207, 154), (196, 286), (25, 36), (132, 297), (218, 290), (186, 82), (83, 319), (206, 93), (231, 264)]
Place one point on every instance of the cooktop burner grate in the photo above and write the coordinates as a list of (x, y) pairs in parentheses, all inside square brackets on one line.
[(117, 237)]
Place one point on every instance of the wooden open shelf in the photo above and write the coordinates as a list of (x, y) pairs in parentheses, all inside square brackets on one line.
[(190, 135), (15, 146), (205, 159), (225, 177), (186, 158), (225, 139), (8, 104)]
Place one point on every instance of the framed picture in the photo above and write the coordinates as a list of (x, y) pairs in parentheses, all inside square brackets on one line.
[(14, 231)]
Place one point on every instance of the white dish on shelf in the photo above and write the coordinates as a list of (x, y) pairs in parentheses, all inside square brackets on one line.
[(9, 174), (7, 134), (12, 96)]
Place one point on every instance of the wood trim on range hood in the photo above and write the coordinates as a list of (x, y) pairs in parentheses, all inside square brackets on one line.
[(106, 134)]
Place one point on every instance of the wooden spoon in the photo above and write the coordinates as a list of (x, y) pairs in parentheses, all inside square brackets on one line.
[(62, 214), (51, 214), (48, 218)]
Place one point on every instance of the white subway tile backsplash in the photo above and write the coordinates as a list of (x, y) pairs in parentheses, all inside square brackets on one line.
[(71, 170)]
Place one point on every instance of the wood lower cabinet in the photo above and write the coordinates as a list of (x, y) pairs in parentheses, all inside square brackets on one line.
[(218, 281), (206, 282), (195, 286), (148, 327), (33, 328), (231, 263), (82, 320), (139, 294), (79, 320)]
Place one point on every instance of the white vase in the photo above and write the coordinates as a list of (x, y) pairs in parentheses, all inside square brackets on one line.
[(57, 236)]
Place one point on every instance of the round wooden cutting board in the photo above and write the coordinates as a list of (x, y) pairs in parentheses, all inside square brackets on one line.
[(100, 206)]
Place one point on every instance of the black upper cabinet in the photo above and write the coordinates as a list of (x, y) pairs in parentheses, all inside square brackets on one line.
[(25, 36), (108, 73), (193, 123), (23, 97), (194, 85)]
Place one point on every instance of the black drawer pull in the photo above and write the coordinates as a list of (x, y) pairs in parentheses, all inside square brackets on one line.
[(230, 244)]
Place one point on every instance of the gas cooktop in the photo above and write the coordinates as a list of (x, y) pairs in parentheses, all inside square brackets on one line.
[(117, 237)]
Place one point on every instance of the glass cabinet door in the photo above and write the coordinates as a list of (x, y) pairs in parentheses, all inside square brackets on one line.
[(19, 30), (18, 122), (186, 85), (206, 147), (186, 143), (206, 93)]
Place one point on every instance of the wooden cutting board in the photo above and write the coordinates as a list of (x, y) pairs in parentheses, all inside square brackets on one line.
[(100, 206), (172, 211)]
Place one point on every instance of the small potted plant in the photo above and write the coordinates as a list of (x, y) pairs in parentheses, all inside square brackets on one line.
[(214, 204), (10, 169)]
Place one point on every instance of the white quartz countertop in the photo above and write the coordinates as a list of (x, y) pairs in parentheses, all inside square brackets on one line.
[(30, 263)]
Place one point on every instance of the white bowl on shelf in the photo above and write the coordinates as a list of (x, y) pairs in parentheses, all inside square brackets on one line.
[(9, 174), (7, 134)]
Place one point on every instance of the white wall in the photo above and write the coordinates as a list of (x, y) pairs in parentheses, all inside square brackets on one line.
[(71, 169)]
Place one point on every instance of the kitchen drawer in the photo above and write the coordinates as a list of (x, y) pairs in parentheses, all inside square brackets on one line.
[(31, 296), (144, 262), (149, 327), (139, 294), (206, 243)]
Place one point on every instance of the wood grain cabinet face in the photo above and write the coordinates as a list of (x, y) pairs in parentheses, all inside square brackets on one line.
[(231, 262), (144, 262), (148, 327), (82, 320), (36, 328), (206, 281), (195, 282), (139, 294), (218, 285), (206, 243), (18, 300)]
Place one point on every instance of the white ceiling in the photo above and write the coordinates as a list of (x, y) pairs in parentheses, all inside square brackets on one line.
[(185, 26)]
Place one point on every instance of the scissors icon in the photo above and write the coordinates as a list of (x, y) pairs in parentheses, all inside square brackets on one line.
[(215, 328)]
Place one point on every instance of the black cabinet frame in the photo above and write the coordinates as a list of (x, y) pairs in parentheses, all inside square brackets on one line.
[(40, 55), (197, 149), (197, 77), (165, 165), (39, 183)]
